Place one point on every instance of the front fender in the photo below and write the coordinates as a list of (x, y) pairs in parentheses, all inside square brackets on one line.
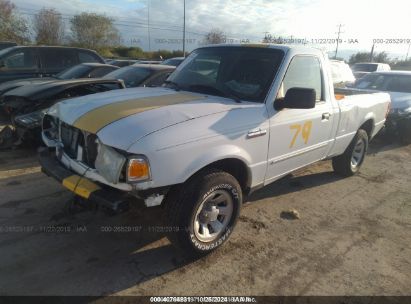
[(217, 154)]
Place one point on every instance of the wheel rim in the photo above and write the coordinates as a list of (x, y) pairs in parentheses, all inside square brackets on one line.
[(358, 154), (213, 216)]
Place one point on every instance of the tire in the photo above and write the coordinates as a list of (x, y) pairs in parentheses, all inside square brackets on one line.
[(190, 214), (349, 163)]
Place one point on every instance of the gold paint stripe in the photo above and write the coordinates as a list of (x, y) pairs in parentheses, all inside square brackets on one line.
[(80, 186), (100, 117)]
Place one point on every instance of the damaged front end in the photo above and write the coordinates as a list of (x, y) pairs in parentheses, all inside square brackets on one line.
[(21, 122), (82, 153)]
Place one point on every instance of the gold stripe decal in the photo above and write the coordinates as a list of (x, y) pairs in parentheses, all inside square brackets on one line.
[(100, 117), (80, 186)]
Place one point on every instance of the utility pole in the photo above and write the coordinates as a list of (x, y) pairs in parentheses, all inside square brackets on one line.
[(338, 40), (184, 30), (148, 25), (372, 53)]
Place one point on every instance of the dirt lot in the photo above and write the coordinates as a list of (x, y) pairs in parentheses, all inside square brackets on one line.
[(353, 238)]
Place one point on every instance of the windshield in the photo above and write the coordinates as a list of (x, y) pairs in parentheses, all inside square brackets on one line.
[(365, 67), (78, 71), (132, 76), (244, 72), (389, 83), (172, 61)]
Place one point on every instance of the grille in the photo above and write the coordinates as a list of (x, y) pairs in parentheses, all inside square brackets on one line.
[(70, 137), (74, 141)]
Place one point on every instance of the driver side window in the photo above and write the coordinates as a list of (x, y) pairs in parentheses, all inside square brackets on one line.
[(303, 72), (22, 59)]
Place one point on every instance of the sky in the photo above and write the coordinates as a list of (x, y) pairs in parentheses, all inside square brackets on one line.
[(313, 21)]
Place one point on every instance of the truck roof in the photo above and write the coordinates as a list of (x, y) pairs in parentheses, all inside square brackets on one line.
[(284, 47)]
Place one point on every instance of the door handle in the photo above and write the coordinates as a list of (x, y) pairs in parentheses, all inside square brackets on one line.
[(326, 116), (256, 133)]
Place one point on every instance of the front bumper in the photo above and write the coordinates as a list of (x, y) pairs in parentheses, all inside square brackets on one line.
[(111, 199)]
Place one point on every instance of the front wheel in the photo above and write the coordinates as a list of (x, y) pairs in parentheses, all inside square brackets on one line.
[(204, 211), (349, 163)]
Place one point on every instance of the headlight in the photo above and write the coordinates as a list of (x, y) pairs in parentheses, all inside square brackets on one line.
[(138, 169), (109, 163), (31, 120)]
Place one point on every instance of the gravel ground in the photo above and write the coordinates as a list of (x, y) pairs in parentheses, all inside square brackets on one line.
[(353, 238)]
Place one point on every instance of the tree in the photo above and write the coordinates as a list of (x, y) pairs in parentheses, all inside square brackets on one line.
[(381, 57), (359, 57), (49, 27), (268, 38), (402, 65), (12, 26), (94, 31), (215, 36)]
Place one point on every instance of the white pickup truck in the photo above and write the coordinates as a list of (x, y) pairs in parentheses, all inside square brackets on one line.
[(230, 119)]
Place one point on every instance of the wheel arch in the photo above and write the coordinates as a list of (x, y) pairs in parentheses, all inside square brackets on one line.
[(368, 126)]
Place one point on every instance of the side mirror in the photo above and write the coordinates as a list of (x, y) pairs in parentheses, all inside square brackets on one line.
[(297, 98)]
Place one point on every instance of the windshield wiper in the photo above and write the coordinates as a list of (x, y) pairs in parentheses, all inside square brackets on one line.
[(174, 84), (216, 90)]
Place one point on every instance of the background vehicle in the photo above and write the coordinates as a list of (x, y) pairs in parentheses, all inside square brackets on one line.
[(149, 62), (83, 70), (6, 44), (398, 85), (361, 69), (233, 119), (121, 62), (341, 74), (41, 61), (173, 61), (142, 75), (25, 106)]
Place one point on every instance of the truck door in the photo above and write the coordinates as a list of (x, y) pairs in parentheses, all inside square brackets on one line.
[(299, 137)]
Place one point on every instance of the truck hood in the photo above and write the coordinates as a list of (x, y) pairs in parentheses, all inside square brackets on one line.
[(10, 85), (122, 117)]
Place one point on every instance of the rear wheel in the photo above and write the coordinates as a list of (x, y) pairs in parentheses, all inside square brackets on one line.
[(204, 212), (349, 163)]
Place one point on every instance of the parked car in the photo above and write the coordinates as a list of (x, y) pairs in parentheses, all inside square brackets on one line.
[(82, 70), (6, 44), (41, 61), (142, 75), (398, 85), (121, 62), (149, 62), (26, 105), (173, 61), (361, 69), (341, 74), (202, 144)]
